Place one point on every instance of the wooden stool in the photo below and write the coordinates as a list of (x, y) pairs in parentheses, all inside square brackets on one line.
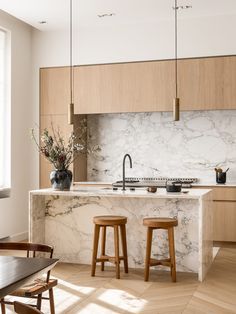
[(115, 222), (160, 223)]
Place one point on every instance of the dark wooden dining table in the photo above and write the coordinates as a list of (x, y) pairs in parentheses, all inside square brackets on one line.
[(17, 271)]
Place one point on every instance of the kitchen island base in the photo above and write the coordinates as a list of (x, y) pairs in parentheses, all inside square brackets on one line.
[(65, 220)]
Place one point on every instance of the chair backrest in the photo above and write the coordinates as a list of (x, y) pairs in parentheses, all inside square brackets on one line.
[(22, 308), (30, 248)]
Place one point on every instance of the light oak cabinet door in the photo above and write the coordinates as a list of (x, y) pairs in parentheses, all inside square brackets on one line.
[(54, 90), (207, 83), (224, 194), (224, 212), (124, 87), (224, 221), (46, 122), (79, 166)]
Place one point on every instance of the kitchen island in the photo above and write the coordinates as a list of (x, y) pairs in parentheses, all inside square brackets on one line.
[(64, 219)]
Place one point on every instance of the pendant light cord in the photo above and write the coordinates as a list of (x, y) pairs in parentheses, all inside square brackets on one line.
[(176, 50), (71, 56)]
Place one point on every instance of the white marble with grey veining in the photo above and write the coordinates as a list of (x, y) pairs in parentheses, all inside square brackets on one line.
[(191, 147), (64, 220), (83, 190)]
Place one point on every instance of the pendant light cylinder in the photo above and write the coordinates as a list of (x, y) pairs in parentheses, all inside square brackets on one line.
[(71, 104), (71, 113), (176, 99), (176, 109)]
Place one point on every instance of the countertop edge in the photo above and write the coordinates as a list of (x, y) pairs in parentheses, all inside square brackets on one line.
[(197, 194)]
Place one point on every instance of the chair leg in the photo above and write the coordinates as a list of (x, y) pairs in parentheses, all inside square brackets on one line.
[(148, 253), (51, 300), (117, 258), (95, 248), (124, 246), (172, 253), (3, 308), (39, 301), (103, 248)]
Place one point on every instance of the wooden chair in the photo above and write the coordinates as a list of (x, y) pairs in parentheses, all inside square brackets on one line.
[(39, 286), (22, 308)]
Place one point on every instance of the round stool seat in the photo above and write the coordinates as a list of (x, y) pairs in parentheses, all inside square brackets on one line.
[(110, 220), (160, 222)]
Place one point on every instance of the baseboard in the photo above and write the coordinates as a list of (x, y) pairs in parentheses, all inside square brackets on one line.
[(23, 236)]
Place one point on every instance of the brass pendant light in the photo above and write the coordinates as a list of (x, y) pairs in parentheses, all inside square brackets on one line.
[(176, 105), (71, 104)]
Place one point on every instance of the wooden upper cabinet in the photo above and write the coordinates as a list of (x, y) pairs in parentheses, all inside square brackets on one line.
[(203, 84), (54, 90), (207, 83), (124, 87)]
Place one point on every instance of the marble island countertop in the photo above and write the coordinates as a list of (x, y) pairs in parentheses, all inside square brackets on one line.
[(139, 192), (198, 184)]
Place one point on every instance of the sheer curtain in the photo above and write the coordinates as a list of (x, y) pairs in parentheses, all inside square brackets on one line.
[(4, 110)]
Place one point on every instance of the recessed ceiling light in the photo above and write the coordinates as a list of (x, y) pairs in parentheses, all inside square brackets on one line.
[(183, 7), (42, 22), (106, 15)]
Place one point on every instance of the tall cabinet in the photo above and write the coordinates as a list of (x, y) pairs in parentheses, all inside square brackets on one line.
[(54, 99)]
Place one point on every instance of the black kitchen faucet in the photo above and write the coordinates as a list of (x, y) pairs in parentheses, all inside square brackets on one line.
[(130, 161)]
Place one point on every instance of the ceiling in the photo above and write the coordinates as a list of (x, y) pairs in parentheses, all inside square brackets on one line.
[(85, 12)]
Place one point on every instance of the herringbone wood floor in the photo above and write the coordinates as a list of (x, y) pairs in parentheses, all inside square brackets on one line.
[(77, 292)]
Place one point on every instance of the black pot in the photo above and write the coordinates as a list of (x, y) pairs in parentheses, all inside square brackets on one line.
[(173, 186), (61, 179)]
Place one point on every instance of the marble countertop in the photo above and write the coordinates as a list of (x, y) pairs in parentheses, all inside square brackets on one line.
[(214, 184), (211, 184), (139, 192)]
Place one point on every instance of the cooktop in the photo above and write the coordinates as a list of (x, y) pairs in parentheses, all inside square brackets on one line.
[(155, 181)]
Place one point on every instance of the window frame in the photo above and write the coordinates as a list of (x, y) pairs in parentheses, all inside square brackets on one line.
[(5, 119)]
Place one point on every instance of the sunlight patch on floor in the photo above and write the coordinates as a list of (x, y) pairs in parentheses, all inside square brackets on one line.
[(92, 307), (77, 288), (123, 300)]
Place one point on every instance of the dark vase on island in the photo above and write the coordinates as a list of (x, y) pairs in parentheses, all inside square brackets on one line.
[(61, 179)]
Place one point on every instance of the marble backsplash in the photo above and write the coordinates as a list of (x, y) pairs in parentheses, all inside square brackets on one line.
[(191, 147)]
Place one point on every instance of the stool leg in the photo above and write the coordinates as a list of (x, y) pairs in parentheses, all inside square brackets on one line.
[(95, 248), (172, 253), (103, 248), (117, 259), (148, 253), (124, 246)]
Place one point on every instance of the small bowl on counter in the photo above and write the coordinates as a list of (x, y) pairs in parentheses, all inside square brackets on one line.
[(152, 189)]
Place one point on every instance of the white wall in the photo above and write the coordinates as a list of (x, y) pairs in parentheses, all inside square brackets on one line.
[(14, 210), (197, 37)]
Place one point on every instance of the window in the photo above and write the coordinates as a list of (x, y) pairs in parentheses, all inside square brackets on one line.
[(4, 110)]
